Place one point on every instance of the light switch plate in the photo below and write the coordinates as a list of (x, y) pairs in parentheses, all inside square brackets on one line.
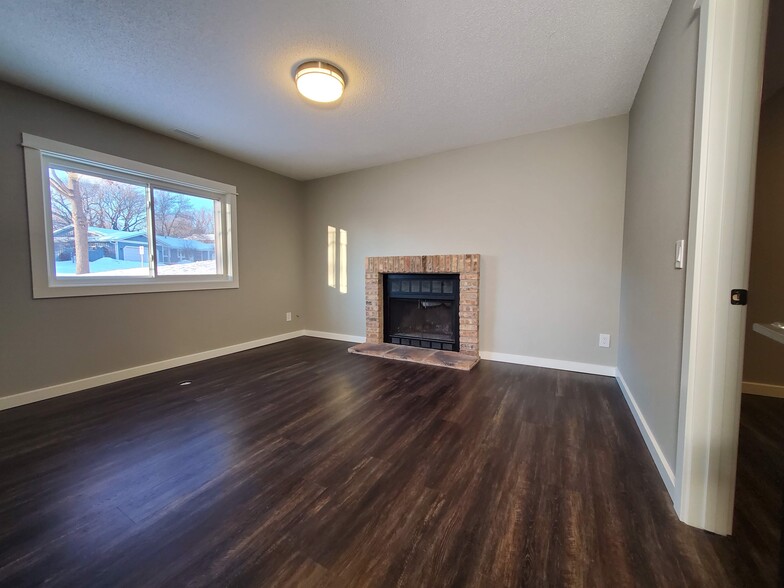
[(679, 254)]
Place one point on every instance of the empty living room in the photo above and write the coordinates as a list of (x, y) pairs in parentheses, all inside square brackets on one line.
[(381, 294)]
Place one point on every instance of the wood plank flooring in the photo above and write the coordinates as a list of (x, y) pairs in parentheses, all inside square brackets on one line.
[(298, 464), (758, 493)]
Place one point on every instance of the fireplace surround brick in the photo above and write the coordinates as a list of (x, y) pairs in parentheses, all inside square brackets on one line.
[(467, 265)]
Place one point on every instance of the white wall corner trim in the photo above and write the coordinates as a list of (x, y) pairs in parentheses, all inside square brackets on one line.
[(665, 471), (556, 364), (101, 379), (334, 336)]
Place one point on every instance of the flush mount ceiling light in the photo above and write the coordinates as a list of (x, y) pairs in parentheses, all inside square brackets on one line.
[(320, 81)]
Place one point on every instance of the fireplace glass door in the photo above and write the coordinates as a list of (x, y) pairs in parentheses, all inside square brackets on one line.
[(421, 310)]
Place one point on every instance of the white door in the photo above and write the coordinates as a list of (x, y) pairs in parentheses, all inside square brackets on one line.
[(732, 42)]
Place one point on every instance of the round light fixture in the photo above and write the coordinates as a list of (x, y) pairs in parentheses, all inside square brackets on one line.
[(320, 81)]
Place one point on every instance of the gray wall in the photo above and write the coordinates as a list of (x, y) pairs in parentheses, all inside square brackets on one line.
[(45, 342), (661, 126), (763, 357), (545, 211)]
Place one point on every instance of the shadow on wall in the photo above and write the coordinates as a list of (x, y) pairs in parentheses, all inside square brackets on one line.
[(763, 366)]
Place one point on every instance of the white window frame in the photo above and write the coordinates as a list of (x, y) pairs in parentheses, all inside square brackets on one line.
[(38, 152)]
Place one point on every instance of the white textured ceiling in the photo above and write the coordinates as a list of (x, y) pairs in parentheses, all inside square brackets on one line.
[(423, 75)]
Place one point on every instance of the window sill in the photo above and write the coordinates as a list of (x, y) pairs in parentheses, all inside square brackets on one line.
[(104, 287)]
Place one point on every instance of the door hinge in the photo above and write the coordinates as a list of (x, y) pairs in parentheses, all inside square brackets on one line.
[(739, 297)]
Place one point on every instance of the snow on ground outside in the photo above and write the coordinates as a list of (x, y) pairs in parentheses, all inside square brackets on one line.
[(106, 266)]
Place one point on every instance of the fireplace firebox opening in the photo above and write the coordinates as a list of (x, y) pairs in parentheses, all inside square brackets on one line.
[(422, 310)]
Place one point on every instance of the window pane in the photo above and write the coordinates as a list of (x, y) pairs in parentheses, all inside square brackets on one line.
[(99, 225), (185, 233)]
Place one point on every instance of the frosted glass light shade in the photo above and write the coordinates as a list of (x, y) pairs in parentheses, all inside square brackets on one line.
[(320, 81)]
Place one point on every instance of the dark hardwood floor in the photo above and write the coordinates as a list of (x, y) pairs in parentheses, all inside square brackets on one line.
[(298, 464), (758, 490)]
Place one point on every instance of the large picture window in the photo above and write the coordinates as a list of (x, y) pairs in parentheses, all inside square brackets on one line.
[(100, 224)]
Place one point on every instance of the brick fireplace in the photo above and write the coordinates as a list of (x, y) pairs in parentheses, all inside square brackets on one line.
[(466, 266)]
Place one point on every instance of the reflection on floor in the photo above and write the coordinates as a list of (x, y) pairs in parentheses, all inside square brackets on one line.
[(758, 494), (299, 464)]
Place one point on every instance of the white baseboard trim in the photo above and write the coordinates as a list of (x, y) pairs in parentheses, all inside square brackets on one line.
[(665, 471), (758, 389), (101, 379), (334, 336), (556, 364)]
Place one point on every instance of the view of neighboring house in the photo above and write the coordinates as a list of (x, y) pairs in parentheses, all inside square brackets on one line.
[(134, 246)]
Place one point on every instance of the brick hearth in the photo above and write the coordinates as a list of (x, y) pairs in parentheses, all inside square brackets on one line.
[(466, 265)]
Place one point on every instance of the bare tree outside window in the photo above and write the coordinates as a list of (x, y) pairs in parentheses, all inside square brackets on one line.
[(173, 214), (70, 192), (83, 202), (100, 226)]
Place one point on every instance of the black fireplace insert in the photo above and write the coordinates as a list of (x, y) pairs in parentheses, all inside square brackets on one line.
[(421, 310)]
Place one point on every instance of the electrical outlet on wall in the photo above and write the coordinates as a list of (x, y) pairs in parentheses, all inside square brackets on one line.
[(288, 317), (604, 340)]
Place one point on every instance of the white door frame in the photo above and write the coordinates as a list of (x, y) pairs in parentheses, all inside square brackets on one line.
[(729, 85)]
